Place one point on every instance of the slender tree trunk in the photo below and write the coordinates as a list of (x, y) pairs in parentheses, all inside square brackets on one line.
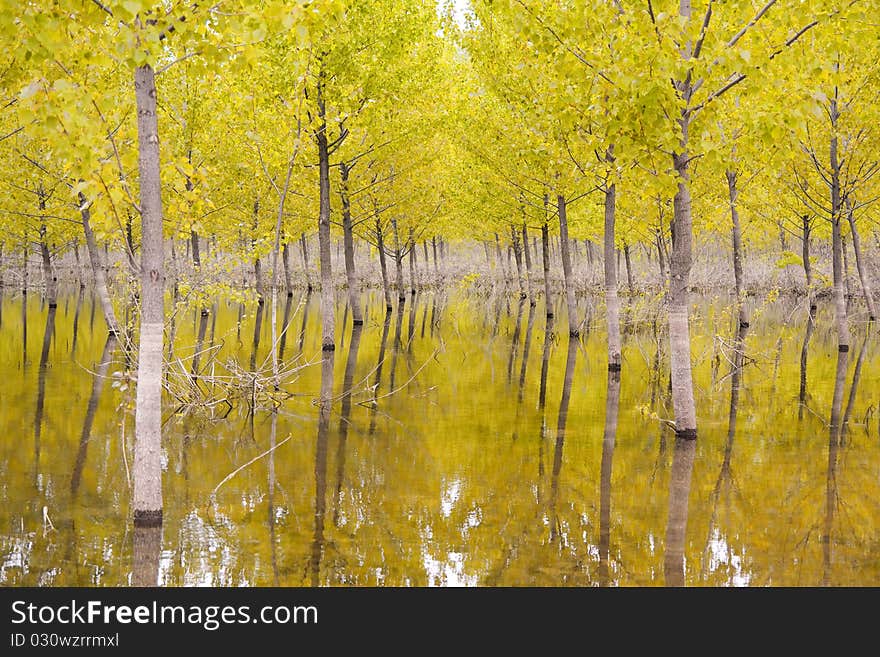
[(566, 267), (98, 273), (412, 264), (354, 299), (680, 263), (628, 262), (328, 318), (383, 265), (528, 258), (148, 414), (679, 330), (288, 276), (517, 256), (427, 260), (304, 245), (196, 254), (545, 255), (661, 259), (837, 242), (736, 231), (398, 261), (808, 268), (612, 300), (24, 269), (258, 264), (49, 277), (434, 247), (860, 265), (499, 258)]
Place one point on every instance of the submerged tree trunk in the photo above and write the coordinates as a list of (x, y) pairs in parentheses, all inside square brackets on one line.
[(528, 258), (736, 232), (398, 261), (545, 256), (49, 277), (860, 265), (98, 273), (808, 268), (328, 317), (148, 414), (564, 245), (383, 264), (412, 264), (612, 300), (517, 257), (354, 299), (680, 267), (837, 242), (288, 278)]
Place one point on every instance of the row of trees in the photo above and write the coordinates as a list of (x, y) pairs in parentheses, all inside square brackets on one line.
[(389, 123)]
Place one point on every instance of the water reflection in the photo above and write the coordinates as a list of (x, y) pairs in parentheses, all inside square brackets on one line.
[(677, 518), (612, 406), (419, 482), (324, 406), (146, 550)]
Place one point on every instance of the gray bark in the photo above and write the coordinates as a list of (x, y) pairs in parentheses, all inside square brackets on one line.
[(860, 265), (98, 272), (328, 316), (837, 242), (354, 300), (612, 300), (148, 414), (564, 246), (383, 264)]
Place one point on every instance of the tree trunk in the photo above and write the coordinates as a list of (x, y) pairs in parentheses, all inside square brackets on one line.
[(412, 264), (328, 318), (196, 254), (383, 265), (49, 277), (545, 255), (499, 258), (398, 261), (528, 258), (97, 269), (612, 300), (566, 267), (860, 265), (288, 277), (679, 330), (354, 299), (305, 257), (628, 262), (837, 242), (661, 259), (517, 256), (808, 268), (736, 231), (434, 247), (148, 414)]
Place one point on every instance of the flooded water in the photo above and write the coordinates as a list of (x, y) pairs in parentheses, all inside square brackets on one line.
[(460, 441)]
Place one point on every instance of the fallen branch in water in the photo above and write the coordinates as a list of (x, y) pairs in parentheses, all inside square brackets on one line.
[(242, 467)]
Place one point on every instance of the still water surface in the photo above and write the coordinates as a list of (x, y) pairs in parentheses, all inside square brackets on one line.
[(461, 441)]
